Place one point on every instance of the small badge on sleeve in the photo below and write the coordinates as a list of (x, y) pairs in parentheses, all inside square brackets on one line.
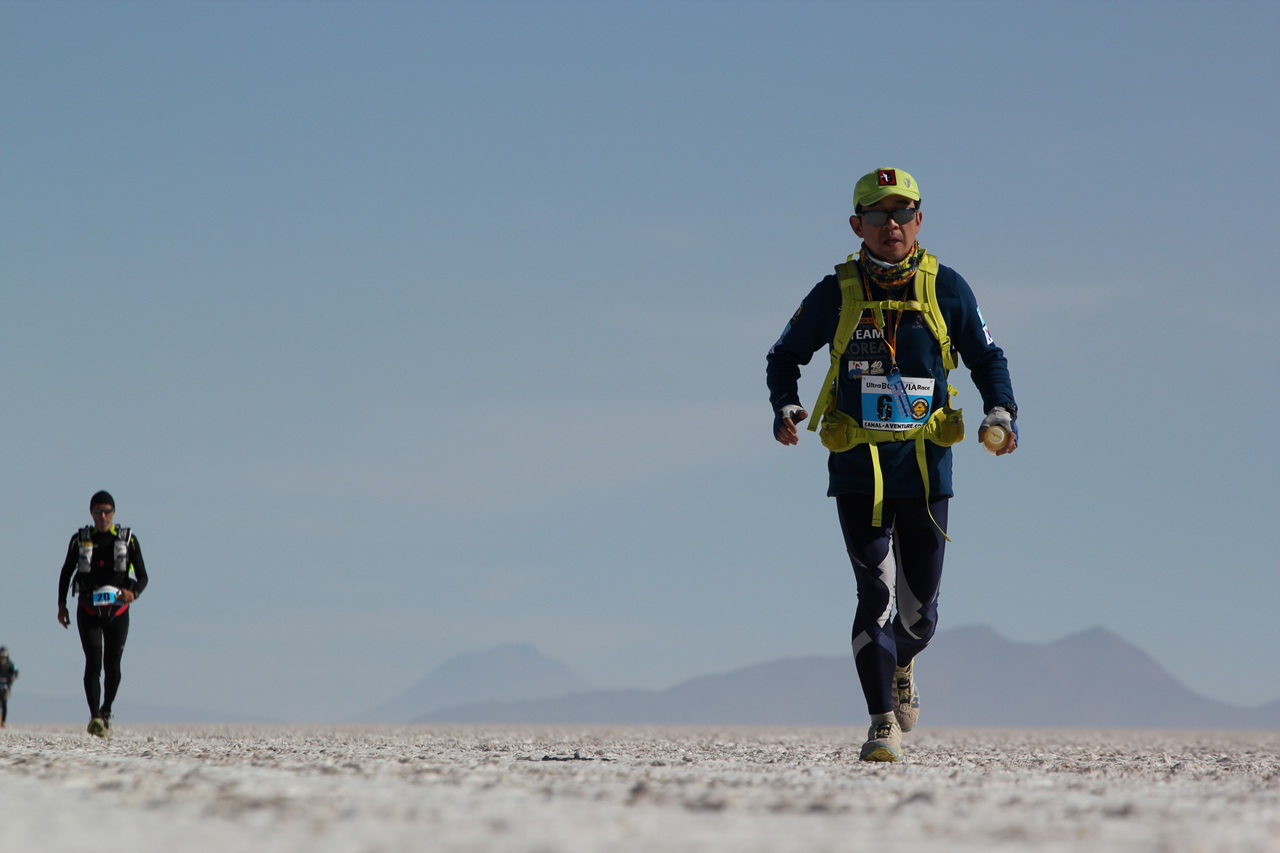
[(985, 331)]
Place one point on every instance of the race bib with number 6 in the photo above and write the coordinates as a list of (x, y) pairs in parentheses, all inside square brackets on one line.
[(880, 409)]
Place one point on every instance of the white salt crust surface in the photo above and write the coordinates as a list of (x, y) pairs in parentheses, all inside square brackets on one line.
[(458, 788)]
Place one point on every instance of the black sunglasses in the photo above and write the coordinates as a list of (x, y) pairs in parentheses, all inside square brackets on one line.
[(876, 218)]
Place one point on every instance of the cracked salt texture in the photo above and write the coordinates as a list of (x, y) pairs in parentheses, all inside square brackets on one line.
[(534, 789)]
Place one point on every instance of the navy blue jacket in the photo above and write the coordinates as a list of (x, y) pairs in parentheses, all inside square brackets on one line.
[(918, 355)]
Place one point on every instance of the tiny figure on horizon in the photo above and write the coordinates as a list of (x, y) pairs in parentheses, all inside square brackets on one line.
[(894, 320), (109, 575), (8, 675)]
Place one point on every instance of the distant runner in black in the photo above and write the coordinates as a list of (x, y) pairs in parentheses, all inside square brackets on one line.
[(8, 675), (109, 575)]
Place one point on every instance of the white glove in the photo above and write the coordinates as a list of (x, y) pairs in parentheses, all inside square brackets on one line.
[(999, 417), (792, 412)]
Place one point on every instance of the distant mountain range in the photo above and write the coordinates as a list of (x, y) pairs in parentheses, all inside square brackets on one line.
[(510, 672), (967, 677)]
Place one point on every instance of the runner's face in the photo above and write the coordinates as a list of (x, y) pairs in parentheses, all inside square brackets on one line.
[(103, 515), (890, 242)]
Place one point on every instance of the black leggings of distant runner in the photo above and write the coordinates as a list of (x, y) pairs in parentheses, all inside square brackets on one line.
[(4, 703), (103, 641)]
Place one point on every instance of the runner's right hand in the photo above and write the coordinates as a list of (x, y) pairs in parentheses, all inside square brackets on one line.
[(784, 424)]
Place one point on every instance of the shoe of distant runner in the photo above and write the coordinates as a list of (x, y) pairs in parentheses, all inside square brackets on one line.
[(97, 727), (106, 723), (884, 742), (906, 699)]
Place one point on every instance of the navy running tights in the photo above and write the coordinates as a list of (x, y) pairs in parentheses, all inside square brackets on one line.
[(102, 639), (899, 562)]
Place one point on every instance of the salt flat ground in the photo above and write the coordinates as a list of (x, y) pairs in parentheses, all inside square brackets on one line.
[(455, 788)]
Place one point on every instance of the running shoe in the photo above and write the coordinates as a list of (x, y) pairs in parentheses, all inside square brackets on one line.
[(97, 727), (107, 716), (884, 742), (906, 699)]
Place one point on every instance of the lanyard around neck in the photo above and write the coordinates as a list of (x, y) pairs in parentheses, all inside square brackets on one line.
[(888, 330)]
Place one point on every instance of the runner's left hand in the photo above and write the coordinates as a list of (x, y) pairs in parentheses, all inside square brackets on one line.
[(999, 416)]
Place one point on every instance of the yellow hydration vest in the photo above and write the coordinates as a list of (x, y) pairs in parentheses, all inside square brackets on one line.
[(839, 431)]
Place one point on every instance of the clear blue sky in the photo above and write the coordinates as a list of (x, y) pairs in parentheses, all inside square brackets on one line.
[(401, 330)]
